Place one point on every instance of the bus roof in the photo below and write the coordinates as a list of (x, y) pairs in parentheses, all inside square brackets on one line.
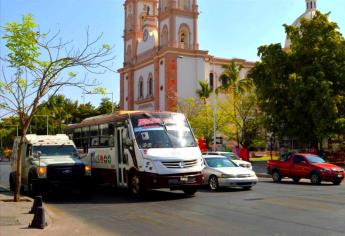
[(111, 117)]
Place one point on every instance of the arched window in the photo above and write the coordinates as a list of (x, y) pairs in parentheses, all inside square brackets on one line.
[(184, 36), (164, 36), (150, 86), (141, 88), (210, 82)]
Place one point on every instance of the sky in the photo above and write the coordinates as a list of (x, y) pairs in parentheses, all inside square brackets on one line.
[(227, 28)]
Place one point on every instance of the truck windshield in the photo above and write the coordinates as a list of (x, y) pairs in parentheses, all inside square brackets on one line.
[(162, 131), (55, 150)]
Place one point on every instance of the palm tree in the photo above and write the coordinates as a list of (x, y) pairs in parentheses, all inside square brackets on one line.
[(205, 91), (233, 85)]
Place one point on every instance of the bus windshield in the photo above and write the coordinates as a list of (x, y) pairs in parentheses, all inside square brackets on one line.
[(162, 131), (55, 150)]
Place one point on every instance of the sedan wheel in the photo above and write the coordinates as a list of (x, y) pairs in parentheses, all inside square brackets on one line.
[(315, 179), (213, 183)]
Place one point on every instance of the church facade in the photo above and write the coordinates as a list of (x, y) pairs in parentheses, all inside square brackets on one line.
[(162, 60)]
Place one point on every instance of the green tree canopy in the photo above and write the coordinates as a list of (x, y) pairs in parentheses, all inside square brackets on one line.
[(301, 89)]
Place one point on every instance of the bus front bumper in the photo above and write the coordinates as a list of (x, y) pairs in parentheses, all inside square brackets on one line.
[(174, 182)]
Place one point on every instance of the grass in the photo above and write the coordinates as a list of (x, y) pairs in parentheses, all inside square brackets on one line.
[(264, 158)]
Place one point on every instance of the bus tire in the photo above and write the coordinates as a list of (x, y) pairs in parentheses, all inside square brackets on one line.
[(135, 185)]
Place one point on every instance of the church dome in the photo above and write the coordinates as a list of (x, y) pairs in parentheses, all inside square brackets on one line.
[(308, 14)]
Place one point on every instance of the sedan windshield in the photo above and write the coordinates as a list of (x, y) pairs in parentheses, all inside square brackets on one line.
[(162, 131), (315, 159), (216, 162), (55, 150)]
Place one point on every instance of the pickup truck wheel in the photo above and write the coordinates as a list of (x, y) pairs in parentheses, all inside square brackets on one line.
[(315, 179), (296, 180), (213, 183), (276, 176)]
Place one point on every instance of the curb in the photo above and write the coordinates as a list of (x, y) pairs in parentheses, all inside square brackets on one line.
[(263, 175)]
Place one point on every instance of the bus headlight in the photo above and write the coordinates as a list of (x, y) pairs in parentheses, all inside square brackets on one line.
[(41, 171), (87, 170)]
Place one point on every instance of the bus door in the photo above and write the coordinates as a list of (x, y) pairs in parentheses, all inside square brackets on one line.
[(122, 160)]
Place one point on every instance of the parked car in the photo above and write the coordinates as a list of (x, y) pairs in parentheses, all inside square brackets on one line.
[(221, 172), (233, 157), (308, 166)]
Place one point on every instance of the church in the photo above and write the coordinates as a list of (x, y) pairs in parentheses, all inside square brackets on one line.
[(162, 60)]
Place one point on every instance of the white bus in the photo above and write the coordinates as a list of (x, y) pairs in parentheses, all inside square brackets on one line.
[(141, 150)]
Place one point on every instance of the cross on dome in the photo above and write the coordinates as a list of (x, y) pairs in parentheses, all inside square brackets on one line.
[(311, 5)]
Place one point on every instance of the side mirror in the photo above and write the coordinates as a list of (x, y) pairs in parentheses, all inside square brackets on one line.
[(38, 154)]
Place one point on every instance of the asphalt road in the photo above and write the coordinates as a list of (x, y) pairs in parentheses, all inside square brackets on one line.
[(267, 209)]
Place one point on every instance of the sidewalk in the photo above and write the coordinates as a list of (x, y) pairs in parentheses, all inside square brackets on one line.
[(14, 216), (14, 220)]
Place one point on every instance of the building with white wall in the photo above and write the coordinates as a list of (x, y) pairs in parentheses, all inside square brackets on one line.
[(162, 59)]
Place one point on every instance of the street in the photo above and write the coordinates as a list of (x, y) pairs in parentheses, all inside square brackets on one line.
[(267, 209)]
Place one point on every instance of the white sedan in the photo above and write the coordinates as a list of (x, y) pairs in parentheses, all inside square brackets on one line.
[(222, 172)]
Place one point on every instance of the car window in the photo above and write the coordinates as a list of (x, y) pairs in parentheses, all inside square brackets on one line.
[(298, 159), (219, 162)]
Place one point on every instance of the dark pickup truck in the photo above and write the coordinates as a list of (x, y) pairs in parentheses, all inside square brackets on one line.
[(308, 166)]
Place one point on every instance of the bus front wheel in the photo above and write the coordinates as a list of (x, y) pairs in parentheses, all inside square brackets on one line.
[(135, 185)]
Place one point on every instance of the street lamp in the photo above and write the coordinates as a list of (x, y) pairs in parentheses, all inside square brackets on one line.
[(214, 106), (112, 98)]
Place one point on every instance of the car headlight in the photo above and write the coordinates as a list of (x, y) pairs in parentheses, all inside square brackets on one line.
[(87, 170), (227, 176), (41, 171)]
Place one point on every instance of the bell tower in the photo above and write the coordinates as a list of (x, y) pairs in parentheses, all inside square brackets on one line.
[(136, 14), (311, 5), (178, 24)]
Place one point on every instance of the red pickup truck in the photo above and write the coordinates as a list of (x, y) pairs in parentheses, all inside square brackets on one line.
[(308, 166)]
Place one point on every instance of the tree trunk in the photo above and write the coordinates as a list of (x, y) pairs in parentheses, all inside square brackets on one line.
[(19, 170)]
